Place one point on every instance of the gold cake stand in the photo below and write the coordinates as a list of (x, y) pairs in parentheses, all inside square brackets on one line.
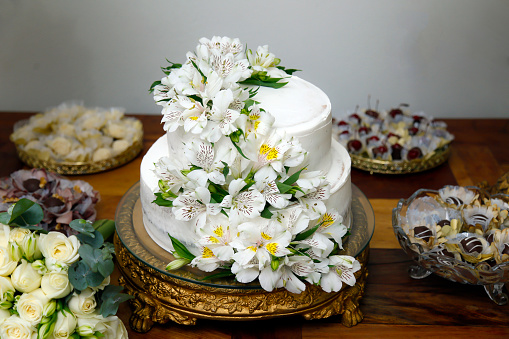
[(183, 297)]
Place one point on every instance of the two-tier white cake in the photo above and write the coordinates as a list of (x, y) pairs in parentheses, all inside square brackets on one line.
[(247, 178)]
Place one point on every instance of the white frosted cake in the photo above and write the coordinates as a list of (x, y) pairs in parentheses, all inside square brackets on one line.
[(248, 177)]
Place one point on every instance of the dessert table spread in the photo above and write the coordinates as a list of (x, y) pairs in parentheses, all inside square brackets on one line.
[(394, 304)]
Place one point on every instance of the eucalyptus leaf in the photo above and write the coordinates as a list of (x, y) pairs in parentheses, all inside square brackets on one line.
[(83, 226), (96, 240), (111, 298), (81, 276), (90, 256)]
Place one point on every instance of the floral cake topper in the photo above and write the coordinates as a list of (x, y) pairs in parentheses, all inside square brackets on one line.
[(243, 185)]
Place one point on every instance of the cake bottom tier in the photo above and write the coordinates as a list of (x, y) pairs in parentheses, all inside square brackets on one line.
[(160, 221)]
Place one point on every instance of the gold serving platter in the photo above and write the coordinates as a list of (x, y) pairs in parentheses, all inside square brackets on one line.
[(77, 168), (437, 158)]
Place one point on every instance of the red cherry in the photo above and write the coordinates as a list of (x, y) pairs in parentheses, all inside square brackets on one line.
[(414, 153), (394, 112), (342, 123), (372, 113), (413, 131), (417, 118), (354, 145), (380, 150), (356, 117), (364, 130), (392, 135), (344, 132)]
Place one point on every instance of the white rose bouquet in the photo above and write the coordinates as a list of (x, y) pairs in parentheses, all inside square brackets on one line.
[(53, 285), (243, 186)]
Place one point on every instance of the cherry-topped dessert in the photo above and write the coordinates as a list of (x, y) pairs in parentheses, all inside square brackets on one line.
[(414, 153), (354, 146)]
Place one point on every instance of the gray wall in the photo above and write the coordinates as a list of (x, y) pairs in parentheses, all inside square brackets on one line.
[(448, 58)]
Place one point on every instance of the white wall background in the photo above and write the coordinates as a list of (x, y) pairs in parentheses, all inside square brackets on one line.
[(448, 58)]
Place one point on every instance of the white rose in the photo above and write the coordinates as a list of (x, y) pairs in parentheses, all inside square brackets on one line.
[(15, 328), (25, 278), (30, 306), (114, 328), (83, 304), (65, 325), (7, 265), (58, 249), (56, 285), (90, 325), (18, 234), (5, 231)]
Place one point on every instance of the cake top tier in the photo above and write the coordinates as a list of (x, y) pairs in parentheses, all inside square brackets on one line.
[(296, 106)]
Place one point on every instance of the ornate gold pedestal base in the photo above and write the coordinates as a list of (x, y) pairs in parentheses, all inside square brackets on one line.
[(160, 298), (181, 296)]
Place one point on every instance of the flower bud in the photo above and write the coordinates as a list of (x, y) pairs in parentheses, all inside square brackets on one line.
[(30, 249), (15, 251), (49, 308), (40, 266), (85, 330), (176, 264)]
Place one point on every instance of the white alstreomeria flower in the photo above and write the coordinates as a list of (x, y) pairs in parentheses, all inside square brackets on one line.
[(170, 171), (292, 268), (222, 117), (179, 109), (341, 270), (329, 227), (195, 205), (210, 158), (217, 235), (258, 122), (242, 204), (258, 242), (265, 61), (265, 182), (315, 189)]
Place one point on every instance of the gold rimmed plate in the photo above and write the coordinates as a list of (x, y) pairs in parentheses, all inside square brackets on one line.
[(438, 157)]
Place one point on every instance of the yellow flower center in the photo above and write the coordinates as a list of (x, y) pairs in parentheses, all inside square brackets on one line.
[(213, 240), (207, 253), (272, 248), (219, 231), (266, 236), (42, 182), (252, 248), (327, 220)]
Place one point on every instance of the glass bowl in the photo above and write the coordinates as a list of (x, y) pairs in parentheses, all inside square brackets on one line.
[(433, 259)]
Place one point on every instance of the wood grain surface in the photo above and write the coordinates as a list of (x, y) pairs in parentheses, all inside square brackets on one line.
[(394, 305)]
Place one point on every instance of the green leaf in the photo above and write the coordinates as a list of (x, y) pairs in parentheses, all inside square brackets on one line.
[(26, 212), (226, 169), (239, 150), (306, 234), (181, 250), (161, 201), (294, 177), (96, 240), (154, 84), (266, 213), (81, 276), (111, 299), (83, 226), (255, 82), (5, 218), (283, 188), (222, 274), (97, 260)]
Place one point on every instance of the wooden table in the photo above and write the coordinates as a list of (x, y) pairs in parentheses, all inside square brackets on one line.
[(394, 305)]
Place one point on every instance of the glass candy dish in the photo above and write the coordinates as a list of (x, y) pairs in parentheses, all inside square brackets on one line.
[(458, 233)]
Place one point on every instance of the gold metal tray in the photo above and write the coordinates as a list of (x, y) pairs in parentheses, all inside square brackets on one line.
[(77, 168), (401, 167), (183, 297)]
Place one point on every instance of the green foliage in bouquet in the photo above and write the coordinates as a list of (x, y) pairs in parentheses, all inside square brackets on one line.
[(96, 255)]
